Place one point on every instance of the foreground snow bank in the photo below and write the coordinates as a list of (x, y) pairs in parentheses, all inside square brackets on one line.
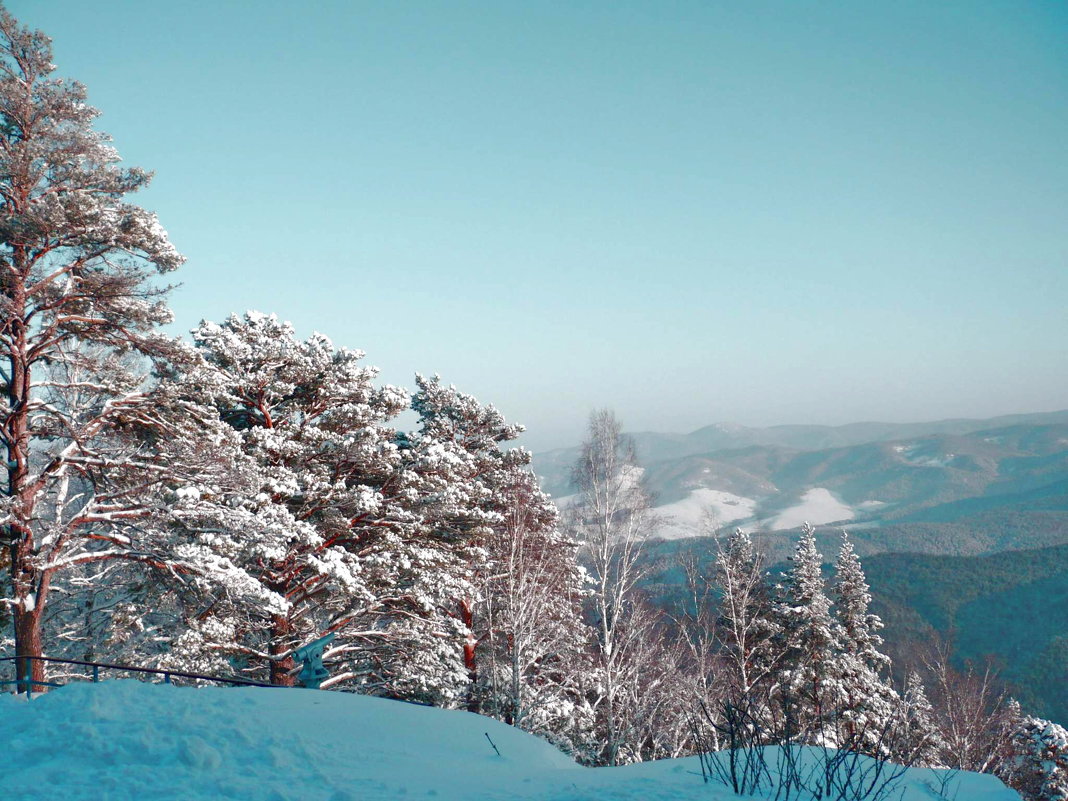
[(128, 740)]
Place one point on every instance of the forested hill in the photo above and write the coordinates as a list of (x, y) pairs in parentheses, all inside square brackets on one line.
[(1010, 606)]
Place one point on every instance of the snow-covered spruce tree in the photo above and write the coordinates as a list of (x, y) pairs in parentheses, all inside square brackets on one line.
[(323, 471), (810, 639), (528, 633), (860, 629), (920, 742), (866, 705), (610, 517), (79, 310)]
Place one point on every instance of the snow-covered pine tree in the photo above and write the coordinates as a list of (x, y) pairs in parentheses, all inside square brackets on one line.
[(810, 640), (455, 466), (85, 436), (866, 704), (184, 483), (508, 619), (322, 469)]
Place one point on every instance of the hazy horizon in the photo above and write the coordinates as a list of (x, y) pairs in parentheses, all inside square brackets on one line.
[(692, 212), (918, 421)]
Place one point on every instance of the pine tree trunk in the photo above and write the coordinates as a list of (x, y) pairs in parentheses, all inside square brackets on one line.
[(28, 606), (281, 631), (28, 636), (467, 617)]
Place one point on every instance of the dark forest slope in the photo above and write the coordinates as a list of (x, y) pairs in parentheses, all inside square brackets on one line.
[(1011, 607)]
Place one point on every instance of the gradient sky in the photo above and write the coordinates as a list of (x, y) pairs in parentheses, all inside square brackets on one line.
[(693, 212)]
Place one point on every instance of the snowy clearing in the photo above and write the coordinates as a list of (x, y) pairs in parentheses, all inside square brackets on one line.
[(687, 518), (818, 506), (919, 456), (128, 740)]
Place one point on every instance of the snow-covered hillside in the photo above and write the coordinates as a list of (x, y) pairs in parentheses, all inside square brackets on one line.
[(700, 510), (706, 509), (128, 740), (817, 506)]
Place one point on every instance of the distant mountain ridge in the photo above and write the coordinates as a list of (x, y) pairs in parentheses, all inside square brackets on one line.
[(554, 466), (863, 474)]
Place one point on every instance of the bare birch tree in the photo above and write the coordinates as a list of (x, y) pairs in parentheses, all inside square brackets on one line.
[(972, 711), (611, 517), (529, 621), (746, 626)]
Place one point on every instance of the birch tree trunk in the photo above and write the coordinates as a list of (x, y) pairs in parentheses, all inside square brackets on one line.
[(611, 517)]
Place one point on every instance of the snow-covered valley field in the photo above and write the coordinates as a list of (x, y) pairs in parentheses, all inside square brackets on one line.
[(704, 510), (126, 740)]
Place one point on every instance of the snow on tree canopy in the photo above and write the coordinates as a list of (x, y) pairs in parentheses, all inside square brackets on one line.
[(93, 445)]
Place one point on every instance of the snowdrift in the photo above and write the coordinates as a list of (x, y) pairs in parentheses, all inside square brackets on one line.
[(130, 740)]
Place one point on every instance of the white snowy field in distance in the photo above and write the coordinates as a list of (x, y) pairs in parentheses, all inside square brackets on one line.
[(817, 506), (704, 510), (707, 509), (700, 511), (126, 740), (914, 455)]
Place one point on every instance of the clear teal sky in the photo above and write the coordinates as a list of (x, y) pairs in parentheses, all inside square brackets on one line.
[(758, 212)]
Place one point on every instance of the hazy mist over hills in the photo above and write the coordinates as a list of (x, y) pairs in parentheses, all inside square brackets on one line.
[(554, 465), (863, 474)]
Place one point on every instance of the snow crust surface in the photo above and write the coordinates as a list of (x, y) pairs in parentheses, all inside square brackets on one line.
[(128, 740)]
